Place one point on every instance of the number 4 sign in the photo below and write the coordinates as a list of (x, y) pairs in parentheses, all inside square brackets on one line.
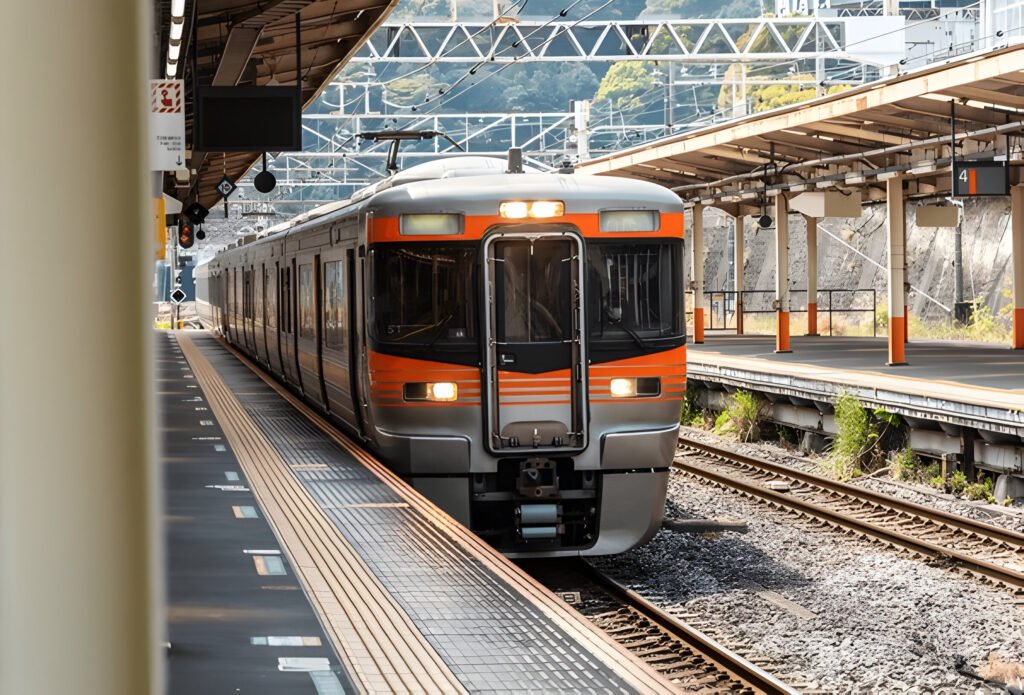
[(166, 125)]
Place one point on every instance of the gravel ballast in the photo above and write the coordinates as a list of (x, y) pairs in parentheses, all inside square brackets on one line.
[(821, 608)]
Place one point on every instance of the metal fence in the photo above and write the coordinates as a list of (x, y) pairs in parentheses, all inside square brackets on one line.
[(724, 307)]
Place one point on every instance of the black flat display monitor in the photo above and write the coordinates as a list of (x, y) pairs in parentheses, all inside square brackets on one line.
[(248, 119)]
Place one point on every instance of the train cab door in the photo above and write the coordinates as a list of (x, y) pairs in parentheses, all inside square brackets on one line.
[(535, 357), (336, 361), (247, 334), (260, 313), (222, 300), (308, 337), (235, 304)]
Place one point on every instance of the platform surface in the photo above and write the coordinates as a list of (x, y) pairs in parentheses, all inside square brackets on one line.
[(409, 600), (968, 364), (227, 625)]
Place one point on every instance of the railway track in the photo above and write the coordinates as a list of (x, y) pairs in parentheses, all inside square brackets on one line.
[(988, 551), (681, 653)]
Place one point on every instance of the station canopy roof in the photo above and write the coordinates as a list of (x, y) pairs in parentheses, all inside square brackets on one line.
[(854, 139), (252, 43)]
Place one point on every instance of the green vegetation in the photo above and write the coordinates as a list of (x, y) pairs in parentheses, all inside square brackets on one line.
[(957, 482), (691, 414), (985, 326), (625, 85), (859, 434), (853, 439), (908, 467), (742, 418), (981, 490)]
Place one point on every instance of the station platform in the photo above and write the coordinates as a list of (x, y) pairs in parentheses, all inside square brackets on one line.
[(298, 563), (969, 384)]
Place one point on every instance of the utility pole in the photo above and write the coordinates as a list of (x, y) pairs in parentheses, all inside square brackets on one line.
[(581, 125), (670, 97), (959, 307)]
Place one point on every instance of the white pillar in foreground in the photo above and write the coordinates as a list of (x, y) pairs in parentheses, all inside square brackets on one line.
[(738, 263), (697, 242), (896, 223), (782, 273), (76, 269)]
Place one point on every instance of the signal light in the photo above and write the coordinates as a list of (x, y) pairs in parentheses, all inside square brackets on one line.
[(186, 233)]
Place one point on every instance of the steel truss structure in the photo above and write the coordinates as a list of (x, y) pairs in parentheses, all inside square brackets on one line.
[(335, 163), (764, 40)]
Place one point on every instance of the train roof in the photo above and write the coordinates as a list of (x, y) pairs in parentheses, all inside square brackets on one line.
[(471, 184), (479, 195)]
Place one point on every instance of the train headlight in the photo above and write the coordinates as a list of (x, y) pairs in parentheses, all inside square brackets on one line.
[(435, 391), (634, 387), (537, 209), (443, 391), (623, 388), (547, 208), (514, 209)]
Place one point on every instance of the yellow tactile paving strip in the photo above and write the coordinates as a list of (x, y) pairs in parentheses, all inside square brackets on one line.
[(268, 466), (379, 646), (945, 390)]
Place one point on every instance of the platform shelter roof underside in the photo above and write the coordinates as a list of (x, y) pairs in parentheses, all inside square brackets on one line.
[(854, 140), (253, 43)]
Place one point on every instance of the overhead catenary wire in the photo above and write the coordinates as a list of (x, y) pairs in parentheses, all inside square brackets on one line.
[(448, 50), (447, 96)]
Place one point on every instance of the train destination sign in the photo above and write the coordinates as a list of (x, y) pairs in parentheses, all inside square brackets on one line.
[(980, 178)]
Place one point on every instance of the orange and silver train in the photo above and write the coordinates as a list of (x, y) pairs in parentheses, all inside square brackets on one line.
[(512, 344)]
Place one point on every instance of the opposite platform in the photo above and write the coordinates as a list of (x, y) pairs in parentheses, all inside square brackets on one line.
[(970, 384), (410, 600)]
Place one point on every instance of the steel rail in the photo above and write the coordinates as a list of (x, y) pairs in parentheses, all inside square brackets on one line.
[(726, 660), (991, 570), (963, 523)]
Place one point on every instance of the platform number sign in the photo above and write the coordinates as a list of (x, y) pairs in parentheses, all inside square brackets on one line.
[(980, 178)]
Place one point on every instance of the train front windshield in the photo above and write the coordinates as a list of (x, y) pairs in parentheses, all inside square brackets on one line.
[(636, 293), (425, 296), (425, 299)]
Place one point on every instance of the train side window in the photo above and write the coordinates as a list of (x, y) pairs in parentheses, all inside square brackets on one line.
[(270, 292), (334, 307), (247, 294), (306, 313), (257, 292)]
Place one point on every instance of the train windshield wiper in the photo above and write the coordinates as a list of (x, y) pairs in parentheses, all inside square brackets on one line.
[(612, 321), (438, 332)]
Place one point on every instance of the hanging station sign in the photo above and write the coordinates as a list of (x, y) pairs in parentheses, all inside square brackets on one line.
[(980, 178), (166, 125)]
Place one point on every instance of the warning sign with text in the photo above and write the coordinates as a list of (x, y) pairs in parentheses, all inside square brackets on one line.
[(166, 125)]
